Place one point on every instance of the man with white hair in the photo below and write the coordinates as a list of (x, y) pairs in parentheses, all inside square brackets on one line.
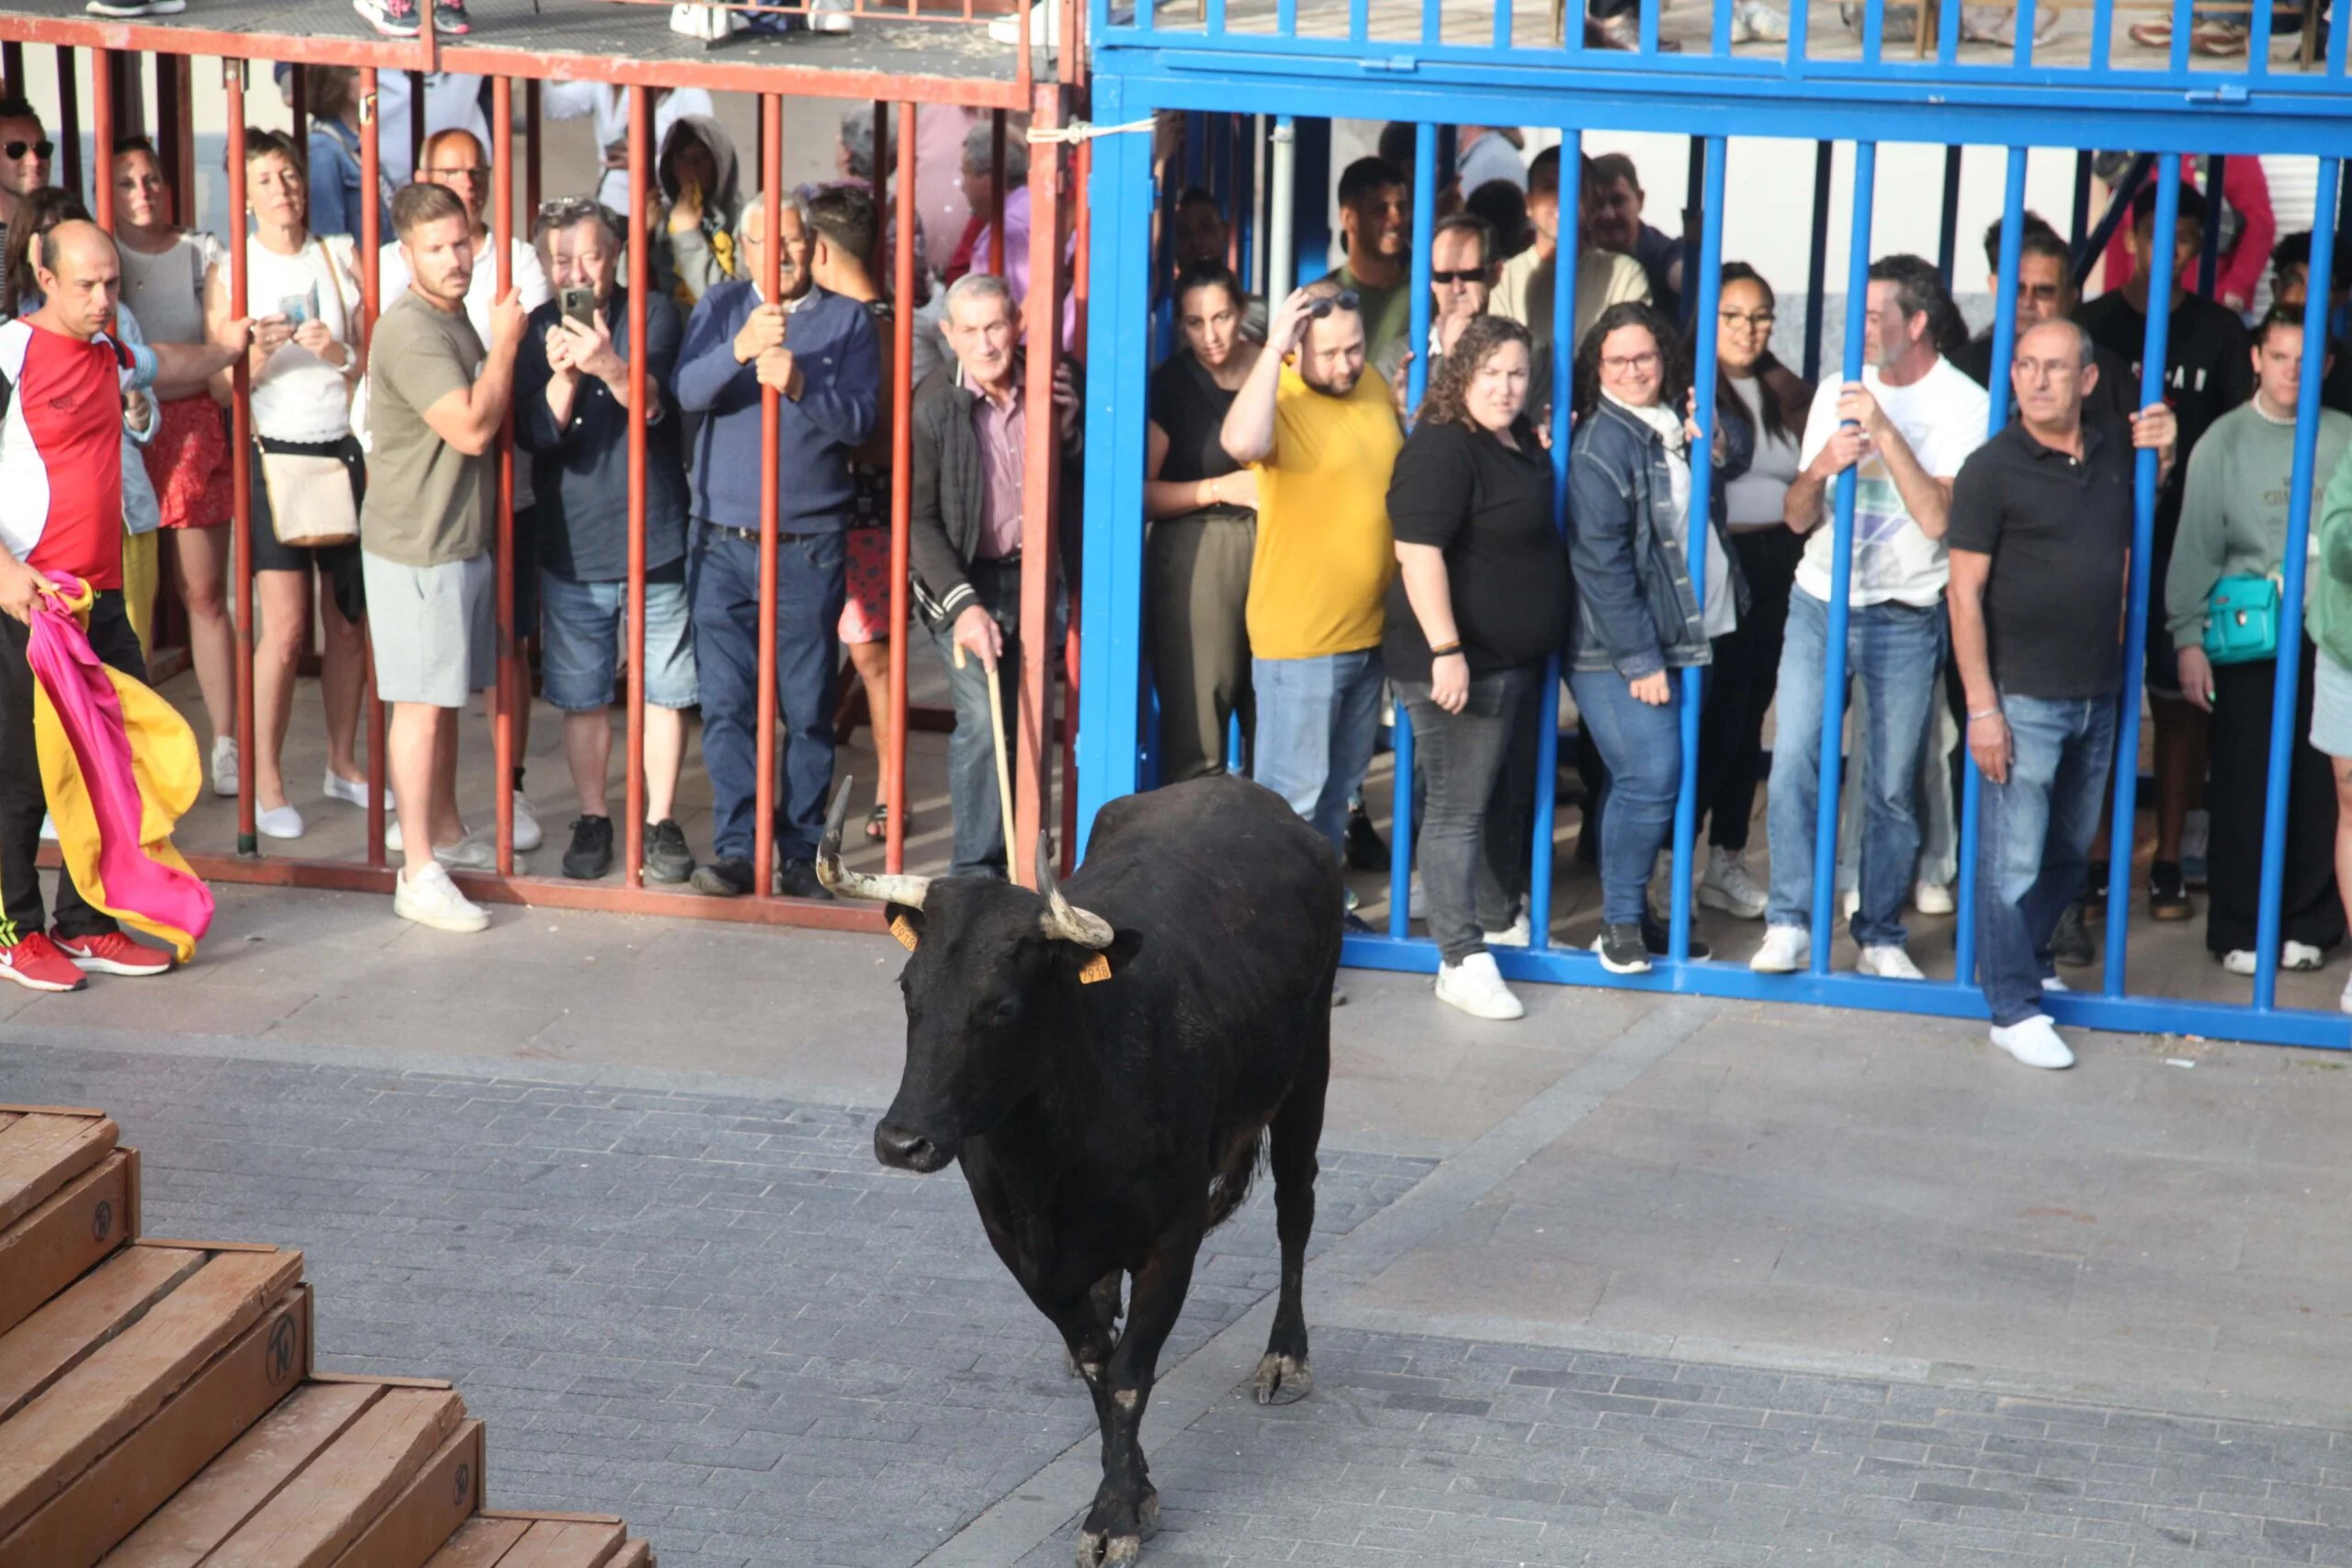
[(819, 351)]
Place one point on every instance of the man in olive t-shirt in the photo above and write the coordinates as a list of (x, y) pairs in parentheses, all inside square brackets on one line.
[(435, 402), (1323, 436)]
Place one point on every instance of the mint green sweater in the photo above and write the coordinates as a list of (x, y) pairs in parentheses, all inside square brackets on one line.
[(2233, 513), (2328, 595)]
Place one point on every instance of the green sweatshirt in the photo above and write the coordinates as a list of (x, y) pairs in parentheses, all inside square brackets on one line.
[(2328, 595), (2234, 512)]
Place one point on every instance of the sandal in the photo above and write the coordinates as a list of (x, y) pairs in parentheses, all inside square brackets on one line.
[(2153, 35), (877, 821)]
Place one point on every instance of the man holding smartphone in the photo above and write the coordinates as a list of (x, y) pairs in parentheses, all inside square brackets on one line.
[(573, 415)]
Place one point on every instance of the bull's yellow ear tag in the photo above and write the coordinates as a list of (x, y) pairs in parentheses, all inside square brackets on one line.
[(903, 929), (1097, 968)]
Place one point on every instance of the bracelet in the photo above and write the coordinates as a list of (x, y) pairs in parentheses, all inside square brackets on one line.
[(1988, 713), (1451, 648)]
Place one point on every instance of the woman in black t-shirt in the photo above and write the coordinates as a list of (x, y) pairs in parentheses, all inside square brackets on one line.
[(1480, 600), (1201, 507)]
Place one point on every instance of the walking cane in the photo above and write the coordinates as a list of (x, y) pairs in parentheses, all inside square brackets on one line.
[(1003, 772)]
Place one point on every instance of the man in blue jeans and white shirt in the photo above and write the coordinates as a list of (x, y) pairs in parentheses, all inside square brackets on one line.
[(2041, 522), (1905, 428), (819, 351)]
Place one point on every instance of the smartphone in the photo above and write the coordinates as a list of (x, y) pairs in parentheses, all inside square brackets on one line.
[(580, 305), (296, 309)]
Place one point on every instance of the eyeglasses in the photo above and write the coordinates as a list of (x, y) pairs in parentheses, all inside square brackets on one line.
[(1345, 300), (1761, 321), (1468, 275), (1631, 364), (15, 150), (474, 172)]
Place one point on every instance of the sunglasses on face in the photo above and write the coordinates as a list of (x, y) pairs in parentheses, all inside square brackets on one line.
[(15, 150), (1345, 300), (1467, 275)]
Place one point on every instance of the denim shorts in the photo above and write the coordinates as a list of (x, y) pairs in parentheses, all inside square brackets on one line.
[(581, 625)]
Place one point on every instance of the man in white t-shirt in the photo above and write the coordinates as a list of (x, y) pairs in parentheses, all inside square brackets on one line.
[(456, 159), (1904, 429)]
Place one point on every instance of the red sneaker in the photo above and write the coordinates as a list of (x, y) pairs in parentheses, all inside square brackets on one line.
[(33, 962), (113, 954)]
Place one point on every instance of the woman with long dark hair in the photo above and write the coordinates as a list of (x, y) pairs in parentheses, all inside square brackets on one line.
[(1481, 598), (1638, 617), (1755, 390)]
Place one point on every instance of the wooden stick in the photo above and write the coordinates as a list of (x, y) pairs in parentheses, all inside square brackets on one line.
[(1003, 769)]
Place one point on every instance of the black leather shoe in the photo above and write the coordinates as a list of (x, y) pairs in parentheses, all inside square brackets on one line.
[(797, 879), (728, 878)]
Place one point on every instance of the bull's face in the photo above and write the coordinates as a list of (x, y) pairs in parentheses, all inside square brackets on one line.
[(987, 992)]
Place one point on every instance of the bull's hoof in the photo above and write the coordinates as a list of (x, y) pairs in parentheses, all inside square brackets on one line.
[(1096, 1550), (1282, 1380)]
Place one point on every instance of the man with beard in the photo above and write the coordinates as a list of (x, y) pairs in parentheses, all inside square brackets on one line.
[(1376, 226), (1323, 436)]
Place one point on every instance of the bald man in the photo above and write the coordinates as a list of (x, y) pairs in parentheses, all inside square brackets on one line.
[(61, 516)]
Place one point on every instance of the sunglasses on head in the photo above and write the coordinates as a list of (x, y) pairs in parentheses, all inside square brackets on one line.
[(41, 149), (1345, 300)]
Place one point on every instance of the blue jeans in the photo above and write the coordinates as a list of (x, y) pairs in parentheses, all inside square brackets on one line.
[(1894, 651), (1642, 747), (1317, 721), (971, 756), (723, 585), (2033, 841)]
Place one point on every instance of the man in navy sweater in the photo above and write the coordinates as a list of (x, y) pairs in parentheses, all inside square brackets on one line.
[(819, 351)]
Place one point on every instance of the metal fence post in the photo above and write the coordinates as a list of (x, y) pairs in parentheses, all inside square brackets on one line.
[(1562, 376), (1706, 291)]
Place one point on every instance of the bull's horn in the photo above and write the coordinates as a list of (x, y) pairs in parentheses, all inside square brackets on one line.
[(1061, 919), (845, 884)]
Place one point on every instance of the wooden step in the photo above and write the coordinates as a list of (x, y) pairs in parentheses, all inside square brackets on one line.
[(480, 1543), (85, 1218), (490, 1541), (322, 1512), (422, 1518), (232, 1488), (80, 1416), (560, 1540), (103, 1303), (42, 1148), (228, 1394)]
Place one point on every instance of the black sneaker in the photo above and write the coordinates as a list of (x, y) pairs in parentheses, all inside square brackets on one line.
[(667, 859), (728, 878), (449, 18), (2070, 944), (590, 854), (1654, 938), (797, 879), (393, 18), (2168, 898), (1367, 851), (1621, 950)]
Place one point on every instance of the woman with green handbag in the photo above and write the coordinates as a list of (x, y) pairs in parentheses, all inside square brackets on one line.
[(2223, 604)]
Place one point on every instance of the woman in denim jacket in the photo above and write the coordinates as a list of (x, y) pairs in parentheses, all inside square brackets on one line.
[(1637, 615)]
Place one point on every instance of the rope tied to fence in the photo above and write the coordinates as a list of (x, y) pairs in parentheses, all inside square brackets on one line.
[(1080, 131)]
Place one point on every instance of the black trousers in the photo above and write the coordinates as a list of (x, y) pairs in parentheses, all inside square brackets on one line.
[(2308, 910), (21, 804), (1746, 672)]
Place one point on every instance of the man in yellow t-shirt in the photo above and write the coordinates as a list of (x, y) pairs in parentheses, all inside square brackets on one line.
[(1323, 436)]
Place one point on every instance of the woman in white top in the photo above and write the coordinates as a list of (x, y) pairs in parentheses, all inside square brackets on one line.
[(165, 271), (303, 294), (1759, 391)]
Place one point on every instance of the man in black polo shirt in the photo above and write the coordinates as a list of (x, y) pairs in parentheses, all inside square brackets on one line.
[(2040, 546)]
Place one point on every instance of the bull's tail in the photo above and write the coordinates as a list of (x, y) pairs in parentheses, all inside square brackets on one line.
[(1229, 1188)]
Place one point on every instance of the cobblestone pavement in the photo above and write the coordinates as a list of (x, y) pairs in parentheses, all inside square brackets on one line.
[(719, 1316)]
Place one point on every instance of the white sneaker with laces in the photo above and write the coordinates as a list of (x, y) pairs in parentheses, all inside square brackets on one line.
[(2301, 956), (1753, 21), (430, 898), (224, 765), (468, 853), (1785, 950), (2238, 961), (1727, 885), (2035, 1043), (278, 822), (528, 836), (2052, 983), (1888, 962), (1515, 934), (1477, 988), (350, 792), (1931, 898)]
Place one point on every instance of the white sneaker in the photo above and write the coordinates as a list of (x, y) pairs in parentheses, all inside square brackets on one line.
[(1888, 962), (2035, 1043), (2238, 961), (352, 791), (392, 840), (1786, 950), (1515, 934), (1852, 902), (1477, 988), (829, 17), (2301, 956), (528, 836), (2052, 983), (1727, 885), (430, 898), (1931, 898), (1753, 21), (224, 765), (278, 822), (468, 853), (1044, 25)]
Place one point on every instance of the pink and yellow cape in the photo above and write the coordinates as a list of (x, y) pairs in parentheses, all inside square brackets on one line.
[(120, 766)]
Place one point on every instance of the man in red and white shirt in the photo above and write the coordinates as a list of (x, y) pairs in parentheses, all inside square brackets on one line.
[(60, 512)]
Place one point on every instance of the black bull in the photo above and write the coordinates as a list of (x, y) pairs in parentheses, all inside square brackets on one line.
[(1107, 1122)]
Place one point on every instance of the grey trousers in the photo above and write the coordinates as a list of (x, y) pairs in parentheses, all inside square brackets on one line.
[(1197, 572)]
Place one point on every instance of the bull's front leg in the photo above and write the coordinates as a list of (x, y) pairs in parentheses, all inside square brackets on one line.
[(1125, 1507)]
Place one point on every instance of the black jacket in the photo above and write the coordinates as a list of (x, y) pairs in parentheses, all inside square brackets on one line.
[(949, 483)]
